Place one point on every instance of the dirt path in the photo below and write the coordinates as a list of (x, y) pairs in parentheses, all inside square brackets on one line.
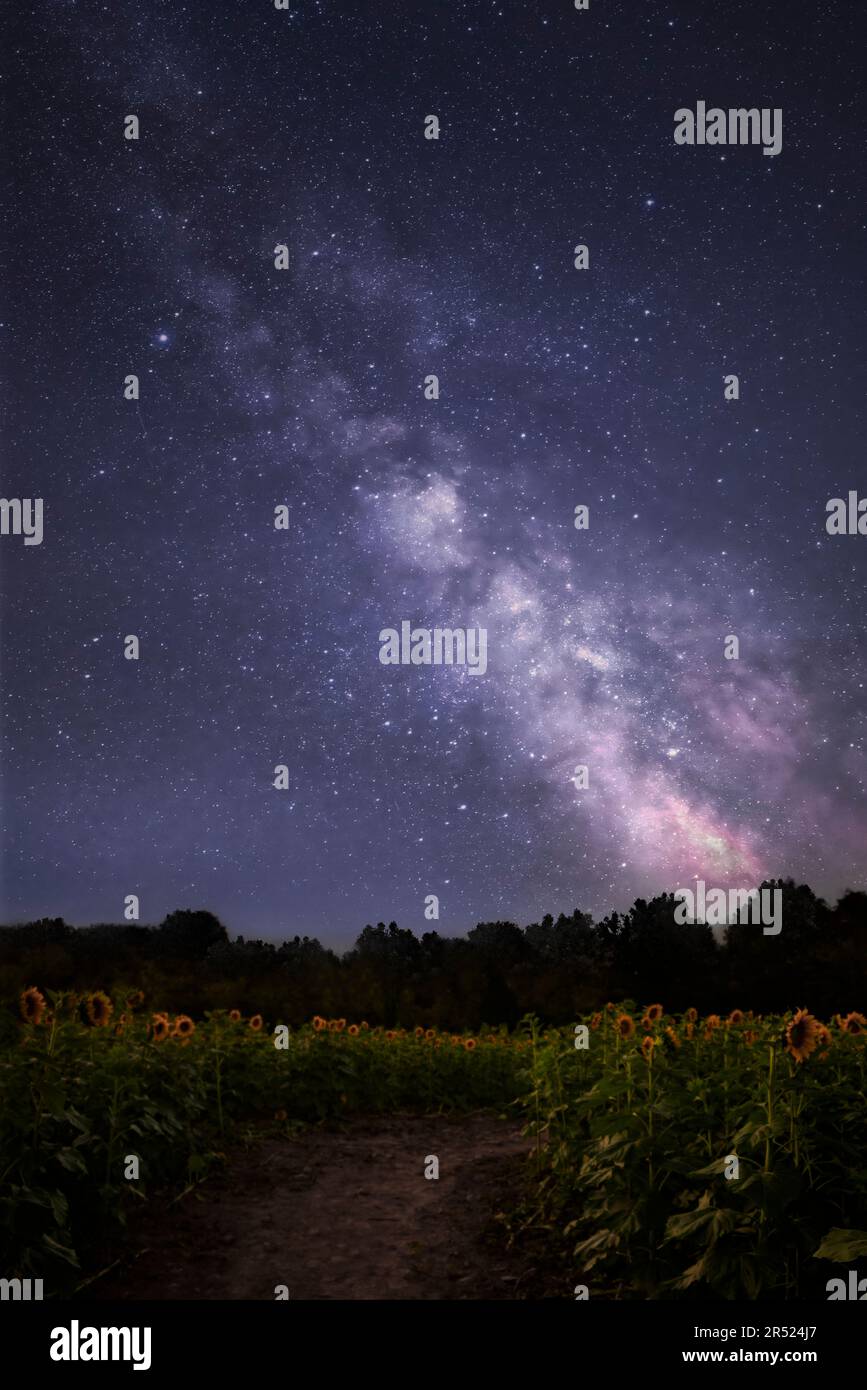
[(340, 1213)]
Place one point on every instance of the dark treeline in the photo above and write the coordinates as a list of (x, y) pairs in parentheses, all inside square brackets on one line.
[(497, 973)]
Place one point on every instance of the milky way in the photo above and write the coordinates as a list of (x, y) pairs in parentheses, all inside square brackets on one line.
[(305, 388)]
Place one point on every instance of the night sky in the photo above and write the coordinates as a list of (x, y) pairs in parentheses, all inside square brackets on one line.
[(305, 387)]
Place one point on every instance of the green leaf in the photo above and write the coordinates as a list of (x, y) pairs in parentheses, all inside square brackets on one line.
[(65, 1252), (842, 1245), (72, 1161)]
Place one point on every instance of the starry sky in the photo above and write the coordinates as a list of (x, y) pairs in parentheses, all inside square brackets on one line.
[(305, 388)]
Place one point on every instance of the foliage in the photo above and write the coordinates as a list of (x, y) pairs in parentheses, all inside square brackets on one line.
[(77, 1100), (635, 1183), (555, 969)]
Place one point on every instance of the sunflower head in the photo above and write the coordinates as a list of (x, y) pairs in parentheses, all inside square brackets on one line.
[(390, 1035), (690, 1030), (135, 1000), (430, 1034), (625, 1026), (32, 1005), (234, 1015), (419, 1032), (736, 1016), (802, 1035), (341, 1024), (691, 1015), (256, 1023), (280, 1115), (595, 1021), (856, 1024), (99, 1009), (672, 1041), (647, 1046), (364, 1026), (159, 1028), (470, 1044), (750, 1036), (184, 1027), (352, 1030), (654, 1012)]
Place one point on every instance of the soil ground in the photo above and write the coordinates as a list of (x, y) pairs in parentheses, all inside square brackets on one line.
[(340, 1212)]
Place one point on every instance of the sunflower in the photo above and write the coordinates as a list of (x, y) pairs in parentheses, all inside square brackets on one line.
[(856, 1024), (32, 1004), (750, 1036), (823, 1036), (159, 1028), (672, 1040), (99, 1008), (390, 1035), (595, 1021), (234, 1015), (184, 1026), (801, 1035), (647, 1024), (135, 1000), (280, 1115), (419, 1032), (647, 1046), (470, 1044), (341, 1024), (690, 1031), (691, 1015), (654, 1012), (736, 1016), (365, 1027), (625, 1026), (352, 1030), (430, 1034), (256, 1023)]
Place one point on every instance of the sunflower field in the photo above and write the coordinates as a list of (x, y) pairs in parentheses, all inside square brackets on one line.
[(688, 1157), (89, 1082), (673, 1157)]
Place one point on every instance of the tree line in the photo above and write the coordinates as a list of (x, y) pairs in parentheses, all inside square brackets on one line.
[(554, 968)]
